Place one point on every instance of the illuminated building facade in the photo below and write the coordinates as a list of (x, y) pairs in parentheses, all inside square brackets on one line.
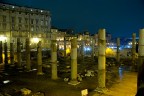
[(63, 37), (23, 22), (86, 41)]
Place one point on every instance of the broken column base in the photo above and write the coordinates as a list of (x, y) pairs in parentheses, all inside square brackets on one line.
[(101, 89), (73, 82)]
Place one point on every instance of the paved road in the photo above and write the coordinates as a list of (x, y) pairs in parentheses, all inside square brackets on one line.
[(125, 86)]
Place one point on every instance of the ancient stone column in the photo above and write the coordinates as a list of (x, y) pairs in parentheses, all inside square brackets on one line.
[(1, 51), (118, 51), (39, 59), (28, 64), (101, 60), (58, 45), (6, 55), (82, 49), (12, 53), (64, 48), (73, 80), (140, 59), (54, 60), (93, 48), (18, 53), (133, 49)]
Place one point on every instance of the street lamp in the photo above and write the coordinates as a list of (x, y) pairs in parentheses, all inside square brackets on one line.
[(3, 38), (35, 40)]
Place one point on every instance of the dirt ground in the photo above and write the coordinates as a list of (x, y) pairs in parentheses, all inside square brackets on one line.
[(50, 87), (44, 84), (124, 86)]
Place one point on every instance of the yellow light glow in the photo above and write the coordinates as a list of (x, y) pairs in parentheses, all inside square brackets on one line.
[(68, 51), (35, 40), (3, 38), (110, 52)]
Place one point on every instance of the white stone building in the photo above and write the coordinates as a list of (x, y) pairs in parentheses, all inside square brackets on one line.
[(23, 22)]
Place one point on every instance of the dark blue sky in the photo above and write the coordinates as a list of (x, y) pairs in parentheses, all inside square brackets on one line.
[(119, 17)]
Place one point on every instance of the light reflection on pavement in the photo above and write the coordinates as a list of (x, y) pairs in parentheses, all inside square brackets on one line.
[(126, 85), (120, 73)]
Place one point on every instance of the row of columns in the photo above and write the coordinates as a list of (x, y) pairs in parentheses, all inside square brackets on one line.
[(102, 60), (39, 58), (101, 57)]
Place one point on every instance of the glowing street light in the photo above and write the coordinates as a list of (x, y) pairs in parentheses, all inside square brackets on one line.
[(35, 40), (3, 38)]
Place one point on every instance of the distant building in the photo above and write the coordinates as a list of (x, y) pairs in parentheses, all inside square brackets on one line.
[(108, 38), (62, 35), (23, 22)]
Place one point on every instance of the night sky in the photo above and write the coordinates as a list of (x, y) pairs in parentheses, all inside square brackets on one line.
[(119, 17)]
